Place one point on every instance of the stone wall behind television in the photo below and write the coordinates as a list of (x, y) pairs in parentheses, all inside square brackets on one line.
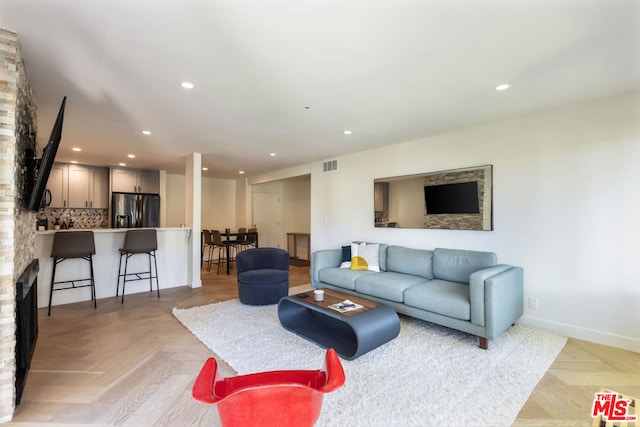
[(459, 221), (17, 226)]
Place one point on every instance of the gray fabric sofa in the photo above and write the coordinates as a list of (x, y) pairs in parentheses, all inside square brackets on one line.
[(460, 289)]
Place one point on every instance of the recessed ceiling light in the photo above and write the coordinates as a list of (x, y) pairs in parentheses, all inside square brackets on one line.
[(131, 156), (146, 132), (122, 164), (347, 132), (241, 172), (74, 162), (187, 85), (205, 169), (503, 86), (76, 149), (272, 154)]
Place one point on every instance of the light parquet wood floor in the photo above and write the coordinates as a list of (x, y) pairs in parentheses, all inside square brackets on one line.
[(133, 364)]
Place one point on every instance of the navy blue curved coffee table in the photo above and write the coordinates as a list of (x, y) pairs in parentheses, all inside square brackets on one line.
[(350, 334)]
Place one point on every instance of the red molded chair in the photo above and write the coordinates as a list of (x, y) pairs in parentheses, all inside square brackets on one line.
[(275, 398)]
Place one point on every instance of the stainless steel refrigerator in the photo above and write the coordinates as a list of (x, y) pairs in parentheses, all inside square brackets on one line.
[(134, 210)]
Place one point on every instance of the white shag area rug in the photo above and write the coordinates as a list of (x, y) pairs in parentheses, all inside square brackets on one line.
[(428, 376)]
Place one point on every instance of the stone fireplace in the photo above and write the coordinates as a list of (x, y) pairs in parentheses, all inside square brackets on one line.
[(17, 226)]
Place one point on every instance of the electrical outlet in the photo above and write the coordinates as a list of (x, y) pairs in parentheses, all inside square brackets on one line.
[(533, 303)]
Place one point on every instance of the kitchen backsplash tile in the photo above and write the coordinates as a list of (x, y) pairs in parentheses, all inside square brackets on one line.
[(74, 217)]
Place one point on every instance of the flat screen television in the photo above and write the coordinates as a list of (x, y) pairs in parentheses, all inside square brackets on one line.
[(459, 198), (45, 163)]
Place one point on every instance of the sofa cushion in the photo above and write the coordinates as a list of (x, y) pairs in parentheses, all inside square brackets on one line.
[(416, 262), (442, 297), (341, 277), (456, 265), (389, 285), (382, 256), (365, 257)]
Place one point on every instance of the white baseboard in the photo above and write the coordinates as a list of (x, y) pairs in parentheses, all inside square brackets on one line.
[(599, 337)]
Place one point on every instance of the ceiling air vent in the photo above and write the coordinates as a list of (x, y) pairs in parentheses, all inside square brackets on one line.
[(331, 165)]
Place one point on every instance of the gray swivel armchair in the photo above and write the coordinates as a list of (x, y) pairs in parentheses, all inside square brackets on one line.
[(263, 275)]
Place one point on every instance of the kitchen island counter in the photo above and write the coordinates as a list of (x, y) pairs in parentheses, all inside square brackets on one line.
[(172, 257)]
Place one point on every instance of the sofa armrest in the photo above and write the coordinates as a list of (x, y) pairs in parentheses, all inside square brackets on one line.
[(504, 300), (324, 259), (477, 291), (504, 295)]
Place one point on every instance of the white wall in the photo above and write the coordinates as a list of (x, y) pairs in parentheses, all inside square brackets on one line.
[(218, 202), (295, 216), (227, 203), (280, 174), (566, 209), (296, 204), (175, 200), (273, 236), (296, 194), (243, 203)]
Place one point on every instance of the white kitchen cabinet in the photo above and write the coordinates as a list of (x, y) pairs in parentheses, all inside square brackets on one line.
[(58, 185), (135, 181), (98, 188), (149, 181), (78, 186), (124, 180)]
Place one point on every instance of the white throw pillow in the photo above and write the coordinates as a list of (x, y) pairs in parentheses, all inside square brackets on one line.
[(365, 257)]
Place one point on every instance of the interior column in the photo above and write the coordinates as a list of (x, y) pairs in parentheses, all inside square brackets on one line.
[(193, 202)]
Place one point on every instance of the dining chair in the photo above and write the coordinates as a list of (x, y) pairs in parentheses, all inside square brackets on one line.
[(251, 239), (209, 247), (238, 242), (223, 246)]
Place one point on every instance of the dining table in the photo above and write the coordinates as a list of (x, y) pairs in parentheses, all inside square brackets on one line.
[(227, 234)]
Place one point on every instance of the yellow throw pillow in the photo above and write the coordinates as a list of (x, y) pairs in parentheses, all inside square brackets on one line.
[(354, 254), (365, 257)]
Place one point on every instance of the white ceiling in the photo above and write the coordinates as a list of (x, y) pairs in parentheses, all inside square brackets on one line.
[(390, 71)]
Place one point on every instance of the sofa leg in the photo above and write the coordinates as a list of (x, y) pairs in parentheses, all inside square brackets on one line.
[(483, 343)]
